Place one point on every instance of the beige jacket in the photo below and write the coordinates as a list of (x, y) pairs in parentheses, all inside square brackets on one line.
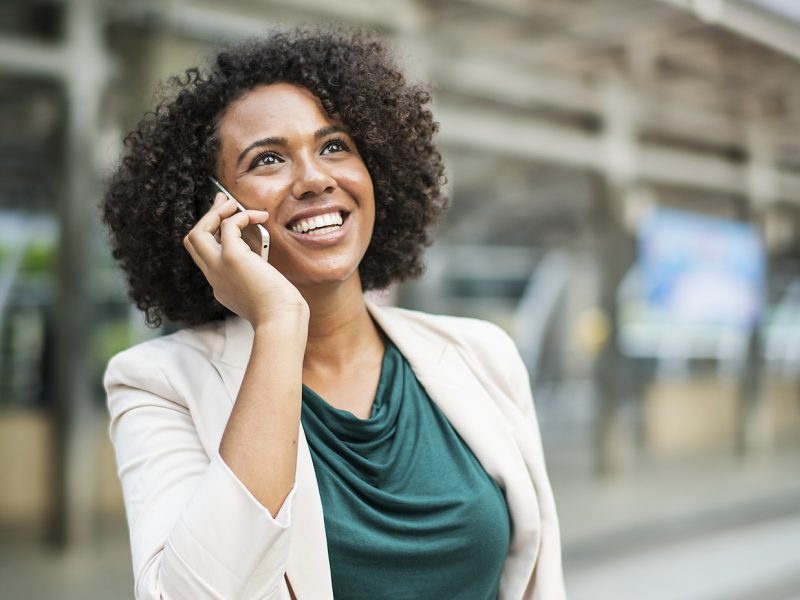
[(196, 532)]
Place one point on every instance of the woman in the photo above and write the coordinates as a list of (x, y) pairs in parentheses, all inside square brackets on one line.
[(297, 440)]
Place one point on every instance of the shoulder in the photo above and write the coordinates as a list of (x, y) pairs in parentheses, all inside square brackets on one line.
[(485, 348), (153, 364), (466, 328), (483, 341)]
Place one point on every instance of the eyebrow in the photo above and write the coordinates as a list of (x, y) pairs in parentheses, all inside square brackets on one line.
[(282, 141)]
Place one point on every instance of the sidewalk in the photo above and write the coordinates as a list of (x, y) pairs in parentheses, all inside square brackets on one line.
[(684, 531), (709, 530)]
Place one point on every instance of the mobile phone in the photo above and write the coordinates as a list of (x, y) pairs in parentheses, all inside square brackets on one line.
[(262, 241)]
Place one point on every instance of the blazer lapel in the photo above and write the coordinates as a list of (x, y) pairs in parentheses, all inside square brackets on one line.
[(470, 406)]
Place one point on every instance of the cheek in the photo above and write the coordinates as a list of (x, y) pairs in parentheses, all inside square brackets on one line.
[(357, 177), (266, 195), (366, 194), (367, 182)]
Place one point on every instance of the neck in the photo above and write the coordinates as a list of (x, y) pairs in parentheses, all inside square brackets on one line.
[(340, 329)]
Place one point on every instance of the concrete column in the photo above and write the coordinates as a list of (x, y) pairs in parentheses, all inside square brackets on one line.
[(762, 192), (84, 76), (619, 108)]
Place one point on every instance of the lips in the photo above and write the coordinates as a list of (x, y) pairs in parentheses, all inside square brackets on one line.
[(322, 240)]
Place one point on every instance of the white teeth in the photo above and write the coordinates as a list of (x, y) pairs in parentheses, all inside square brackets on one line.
[(327, 229), (305, 225)]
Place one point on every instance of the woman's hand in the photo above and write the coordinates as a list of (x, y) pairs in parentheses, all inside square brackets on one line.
[(242, 281)]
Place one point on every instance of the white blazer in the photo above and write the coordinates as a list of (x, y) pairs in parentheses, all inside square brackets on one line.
[(196, 532)]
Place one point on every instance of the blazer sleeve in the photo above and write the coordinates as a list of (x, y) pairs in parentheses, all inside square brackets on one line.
[(548, 581), (196, 532)]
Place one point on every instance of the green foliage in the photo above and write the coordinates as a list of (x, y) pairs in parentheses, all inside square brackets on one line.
[(39, 256), (110, 338)]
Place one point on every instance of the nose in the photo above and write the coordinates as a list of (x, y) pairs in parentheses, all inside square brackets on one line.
[(311, 179)]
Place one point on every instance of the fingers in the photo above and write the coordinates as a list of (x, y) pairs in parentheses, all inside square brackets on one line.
[(195, 256), (201, 242), (207, 245), (220, 210), (233, 227), (204, 236)]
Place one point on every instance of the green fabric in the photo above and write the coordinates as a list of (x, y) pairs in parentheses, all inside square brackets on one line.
[(409, 511)]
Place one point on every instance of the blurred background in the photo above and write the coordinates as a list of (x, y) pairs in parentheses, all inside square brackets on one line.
[(625, 183)]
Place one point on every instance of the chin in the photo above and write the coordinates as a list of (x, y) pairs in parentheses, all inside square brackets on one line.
[(327, 277)]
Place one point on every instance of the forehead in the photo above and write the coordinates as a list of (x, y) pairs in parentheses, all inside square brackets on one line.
[(279, 109)]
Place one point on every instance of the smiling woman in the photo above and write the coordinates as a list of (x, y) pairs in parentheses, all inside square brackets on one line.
[(296, 440)]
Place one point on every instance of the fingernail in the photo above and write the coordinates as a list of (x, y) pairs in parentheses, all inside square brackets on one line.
[(219, 198)]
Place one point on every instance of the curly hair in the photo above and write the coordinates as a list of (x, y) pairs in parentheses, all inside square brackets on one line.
[(160, 188)]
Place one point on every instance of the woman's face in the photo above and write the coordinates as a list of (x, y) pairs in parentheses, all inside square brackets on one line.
[(281, 153)]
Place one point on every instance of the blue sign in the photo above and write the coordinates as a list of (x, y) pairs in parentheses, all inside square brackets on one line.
[(702, 270)]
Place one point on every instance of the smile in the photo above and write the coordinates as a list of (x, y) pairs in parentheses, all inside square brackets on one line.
[(319, 224), (321, 231)]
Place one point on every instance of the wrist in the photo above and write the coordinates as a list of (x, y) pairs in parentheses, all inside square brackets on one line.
[(285, 319)]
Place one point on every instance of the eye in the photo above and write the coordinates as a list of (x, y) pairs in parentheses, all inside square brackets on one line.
[(266, 159), (335, 145)]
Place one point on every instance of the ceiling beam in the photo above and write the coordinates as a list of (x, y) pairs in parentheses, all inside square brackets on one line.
[(513, 85), (498, 133), (207, 21), (530, 139), (521, 86), (23, 56), (748, 20)]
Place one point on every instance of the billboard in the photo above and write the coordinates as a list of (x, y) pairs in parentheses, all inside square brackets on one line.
[(701, 270)]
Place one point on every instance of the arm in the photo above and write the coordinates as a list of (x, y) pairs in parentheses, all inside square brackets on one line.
[(549, 579), (203, 529), (260, 441), (196, 530)]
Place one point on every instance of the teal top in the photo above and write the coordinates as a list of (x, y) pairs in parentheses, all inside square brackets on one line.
[(409, 511)]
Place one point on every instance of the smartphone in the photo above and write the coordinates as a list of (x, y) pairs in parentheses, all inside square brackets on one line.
[(261, 239)]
